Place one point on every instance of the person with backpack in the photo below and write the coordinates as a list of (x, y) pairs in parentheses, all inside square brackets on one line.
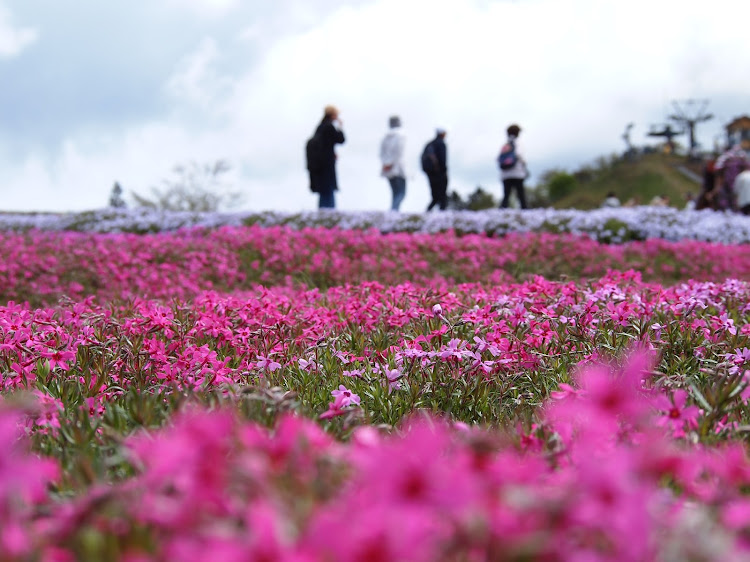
[(321, 157), (435, 164), (513, 169), (392, 159)]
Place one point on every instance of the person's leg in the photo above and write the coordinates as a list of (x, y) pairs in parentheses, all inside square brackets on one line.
[(434, 190), (520, 190), (398, 187), (327, 200), (507, 186), (401, 192), (443, 193)]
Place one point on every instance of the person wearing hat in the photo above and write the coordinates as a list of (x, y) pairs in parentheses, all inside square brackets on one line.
[(392, 159), (435, 165), (513, 169), (323, 173)]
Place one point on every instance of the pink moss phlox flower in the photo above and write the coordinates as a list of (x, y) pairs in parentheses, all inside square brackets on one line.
[(608, 398), (307, 365), (565, 391), (483, 345), (343, 398), (23, 485), (394, 377), (58, 358), (455, 348), (266, 363), (723, 322), (619, 313), (347, 396), (294, 445), (181, 464), (675, 413), (47, 411), (736, 514)]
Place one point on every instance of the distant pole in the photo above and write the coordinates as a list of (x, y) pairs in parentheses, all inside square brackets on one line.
[(693, 112)]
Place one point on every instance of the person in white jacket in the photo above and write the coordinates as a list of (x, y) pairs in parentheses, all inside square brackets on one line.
[(513, 175), (392, 159), (742, 190)]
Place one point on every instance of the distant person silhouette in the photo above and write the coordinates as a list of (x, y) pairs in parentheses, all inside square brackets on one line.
[(742, 190), (321, 157), (659, 201), (435, 165), (513, 170), (611, 201), (392, 159), (705, 198), (690, 202), (728, 166), (634, 201)]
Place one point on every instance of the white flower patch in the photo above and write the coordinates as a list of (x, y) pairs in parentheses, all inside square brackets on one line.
[(612, 225)]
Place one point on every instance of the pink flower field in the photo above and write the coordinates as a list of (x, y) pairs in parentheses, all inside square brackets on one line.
[(249, 393)]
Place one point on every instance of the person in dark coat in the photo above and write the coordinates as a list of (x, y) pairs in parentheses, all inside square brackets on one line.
[(438, 174), (706, 197), (323, 180)]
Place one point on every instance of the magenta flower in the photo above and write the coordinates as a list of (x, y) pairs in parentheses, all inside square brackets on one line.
[(266, 363), (565, 390), (675, 413), (347, 396), (455, 348), (736, 514), (306, 365), (394, 377), (335, 408), (343, 398), (58, 357)]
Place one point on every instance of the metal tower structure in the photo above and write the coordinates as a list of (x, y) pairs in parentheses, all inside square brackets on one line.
[(689, 114)]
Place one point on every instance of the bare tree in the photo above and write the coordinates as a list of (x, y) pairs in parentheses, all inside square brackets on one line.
[(194, 188)]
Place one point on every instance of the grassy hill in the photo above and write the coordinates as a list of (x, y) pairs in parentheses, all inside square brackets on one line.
[(643, 179)]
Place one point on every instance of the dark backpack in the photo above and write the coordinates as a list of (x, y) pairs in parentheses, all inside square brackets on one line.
[(507, 158), (314, 153), (429, 159)]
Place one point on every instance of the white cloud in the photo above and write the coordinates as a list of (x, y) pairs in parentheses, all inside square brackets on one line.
[(195, 83), (205, 8), (13, 40)]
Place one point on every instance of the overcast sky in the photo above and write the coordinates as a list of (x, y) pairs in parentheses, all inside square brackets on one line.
[(93, 91)]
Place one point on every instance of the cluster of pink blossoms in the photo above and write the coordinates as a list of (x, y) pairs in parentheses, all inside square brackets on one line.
[(501, 332), (629, 398), (44, 266), (586, 484)]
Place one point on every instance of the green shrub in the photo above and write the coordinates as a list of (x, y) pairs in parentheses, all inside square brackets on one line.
[(560, 185)]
